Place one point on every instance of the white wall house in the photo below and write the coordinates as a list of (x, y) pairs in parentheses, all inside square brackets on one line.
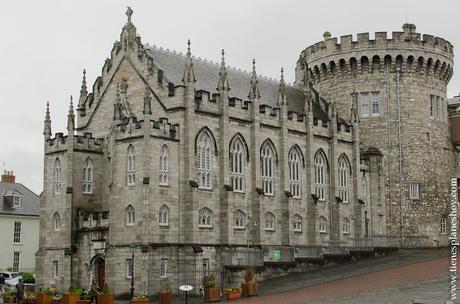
[(19, 225)]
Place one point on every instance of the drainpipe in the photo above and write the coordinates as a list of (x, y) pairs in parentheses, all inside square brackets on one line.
[(401, 203)]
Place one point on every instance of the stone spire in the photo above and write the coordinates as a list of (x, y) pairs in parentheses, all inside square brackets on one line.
[(223, 79), (71, 118), (254, 84), (47, 128), (83, 90), (282, 90), (147, 101), (189, 75)]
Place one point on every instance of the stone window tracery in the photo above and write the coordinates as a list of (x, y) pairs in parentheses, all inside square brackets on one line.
[(297, 223), (344, 171), (88, 176), (269, 221), (239, 219), (320, 176), (205, 218), (164, 166), (294, 173), (57, 176), (130, 216), (56, 221), (164, 215), (131, 166), (205, 150), (268, 167), (237, 164)]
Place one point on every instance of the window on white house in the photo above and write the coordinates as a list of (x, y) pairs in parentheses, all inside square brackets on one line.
[(56, 221), (269, 221), (294, 173), (55, 269), (163, 268), (206, 266), (131, 166), (322, 225), (364, 98), (239, 219), (237, 164), (444, 225), (320, 175), (267, 166), (129, 268), (17, 232), (88, 176), (164, 216), (205, 218), (204, 150), (17, 201), (344, 169), (414, 191), (164, 166), (364, 189), (346, 226), (57, 176), (375, 103), (130, 216), (297, 223), (16, 260)]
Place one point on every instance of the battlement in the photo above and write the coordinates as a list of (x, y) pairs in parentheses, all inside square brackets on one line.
[(85, 142), (158, 128)]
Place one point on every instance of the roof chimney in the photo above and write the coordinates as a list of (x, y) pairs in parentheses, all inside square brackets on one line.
[(8, 177)]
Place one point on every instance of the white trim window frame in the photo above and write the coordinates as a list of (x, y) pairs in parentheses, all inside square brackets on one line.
[(17, 201), (204, 160), (17, 231), (375, 103), (164, 216), (320, 176), (205, 216), (295, 184), (164, 166), (343, 179), (237, 165), (16, 260), (414, 191), (267, 167), (364, 102), (239, 220), (88, 177)]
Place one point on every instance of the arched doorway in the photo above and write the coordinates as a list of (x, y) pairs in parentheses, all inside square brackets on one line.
[(98, 271)]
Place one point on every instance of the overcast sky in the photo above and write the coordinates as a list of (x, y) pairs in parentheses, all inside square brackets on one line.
[(46, 44)]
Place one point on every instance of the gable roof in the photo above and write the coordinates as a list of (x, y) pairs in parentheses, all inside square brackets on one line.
[(30, 204), (207, 77)]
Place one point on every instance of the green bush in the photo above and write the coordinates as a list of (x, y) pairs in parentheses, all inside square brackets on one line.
[(106, 290), (28, 277)]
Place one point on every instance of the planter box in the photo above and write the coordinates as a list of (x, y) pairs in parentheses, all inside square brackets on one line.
[(105, 299), (233, 295), (70, 298), (30, 301), (141, 301), (165, 297), (212, 294), (249, 289), (56, 301), (83, 301), (8, 299), (43, 298)]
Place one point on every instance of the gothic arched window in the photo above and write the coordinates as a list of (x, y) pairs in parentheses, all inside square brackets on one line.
[(131, 166), (321, 175), (364, 189), (130, 216), (56, 221), (297, 223), (294, 173), (344, 171), (57, 176), (164, 216), (322, 224), (269, 221), (204, 150), (164, 166), (267, 155), (239, 219), (237, 164), (346, 226), (205, 218), (88, 176)]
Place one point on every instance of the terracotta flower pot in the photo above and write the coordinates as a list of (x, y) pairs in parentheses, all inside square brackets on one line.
[(165, 297), (233, 295), (80, 301), (55, 301), (9, 299), (30, 301), (212, 294), (43, 298), (249, 289), (105, 299), (70, 298)]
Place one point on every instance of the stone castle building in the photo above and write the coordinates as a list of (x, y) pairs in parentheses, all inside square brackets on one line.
[(189, 164)]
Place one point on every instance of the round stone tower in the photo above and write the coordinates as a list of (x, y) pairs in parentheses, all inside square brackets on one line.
[(396, 88)]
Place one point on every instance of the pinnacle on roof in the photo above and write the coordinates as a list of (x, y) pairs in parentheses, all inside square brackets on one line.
[(223, 79), (47, 128), (282, 89), (71, 117), (83, 90), (189, 75), (254, 83)]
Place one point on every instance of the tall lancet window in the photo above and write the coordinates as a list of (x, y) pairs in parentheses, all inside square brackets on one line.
[(320, 176), (57, 176), (237, 164), (294, 173), (204, 152), (88, 176), (268, 167), (56, 221), (364, 189), (131, 166), (164, 166), (344, 171)]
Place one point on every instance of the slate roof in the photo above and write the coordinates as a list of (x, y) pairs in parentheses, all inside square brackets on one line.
[(30, 201), (207, 77)]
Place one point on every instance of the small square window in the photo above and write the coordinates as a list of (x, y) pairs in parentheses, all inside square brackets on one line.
[(17, 201)]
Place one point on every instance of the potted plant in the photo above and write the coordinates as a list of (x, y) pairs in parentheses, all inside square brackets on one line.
[(9, 297), (106, 297), (165, 295), (45, 296), (211, 292), (140, 299), (85, 297), (30, 298), (249, 287), (57, 299), (233, 293), (72, 295)]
